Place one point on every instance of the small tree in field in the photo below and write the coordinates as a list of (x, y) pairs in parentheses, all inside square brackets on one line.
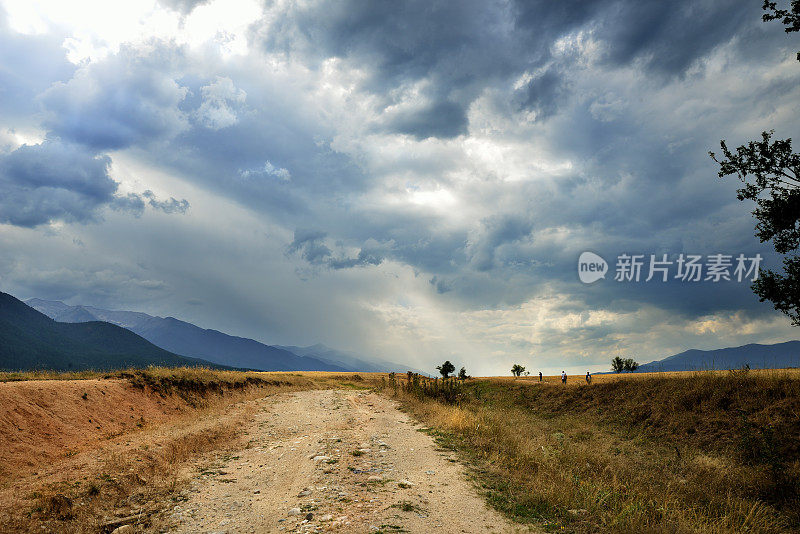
[(517, 369), (630, 365), (617, 364), (446, 368), (462, 374)]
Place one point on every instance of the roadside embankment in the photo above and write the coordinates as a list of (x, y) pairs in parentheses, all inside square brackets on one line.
[(78, 454)]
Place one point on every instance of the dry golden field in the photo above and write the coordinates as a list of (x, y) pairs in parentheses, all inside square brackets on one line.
[(578, 379), (707, 452), (682, 452)]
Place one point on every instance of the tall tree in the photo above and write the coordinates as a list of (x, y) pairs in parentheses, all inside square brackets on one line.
[(790, 17), (770, 172)]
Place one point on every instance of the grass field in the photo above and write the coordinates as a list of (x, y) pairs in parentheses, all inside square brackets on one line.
[(683, 452), (579, 380), (710, 452)]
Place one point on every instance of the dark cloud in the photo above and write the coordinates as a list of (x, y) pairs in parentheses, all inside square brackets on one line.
[(408, 40), (167, 206), (457, 47), (441, 285), (497, 231), (668, 37), (438, 119), (310, 245), (57, 181), (130, 98), (53, 181), (626, 165), (460, 48), (130, 203), (365, 258), (543, 93)]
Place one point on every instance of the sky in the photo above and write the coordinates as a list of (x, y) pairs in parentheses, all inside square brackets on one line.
[(407, 180)]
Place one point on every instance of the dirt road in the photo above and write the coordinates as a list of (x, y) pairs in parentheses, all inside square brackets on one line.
[(339, 461)]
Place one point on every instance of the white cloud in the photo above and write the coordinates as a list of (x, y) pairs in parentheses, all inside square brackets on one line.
[(268, 170), (221, 100), (95, 29)]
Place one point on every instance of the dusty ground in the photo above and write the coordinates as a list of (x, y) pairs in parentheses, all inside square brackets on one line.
[(335, 460), (42, 421)]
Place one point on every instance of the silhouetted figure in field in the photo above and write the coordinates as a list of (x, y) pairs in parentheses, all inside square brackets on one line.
[(588, 377), (563, 377), (540, 376)]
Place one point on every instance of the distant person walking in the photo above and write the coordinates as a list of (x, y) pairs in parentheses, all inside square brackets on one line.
[(540, 376), (563, 377), (588, 377)]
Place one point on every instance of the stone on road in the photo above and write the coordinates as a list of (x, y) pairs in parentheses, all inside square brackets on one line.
[(336, 461)]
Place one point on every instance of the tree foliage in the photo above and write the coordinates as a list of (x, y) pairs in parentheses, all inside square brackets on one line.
[(628, 364), (462, 374), (789, 17), (446, 368), (517, 370), (770, 172), (774, 187)]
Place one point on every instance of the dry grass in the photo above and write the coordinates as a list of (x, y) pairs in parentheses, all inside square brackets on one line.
[(700, 452), (143, 469), (19, 376), (193, 374), (578, 379)]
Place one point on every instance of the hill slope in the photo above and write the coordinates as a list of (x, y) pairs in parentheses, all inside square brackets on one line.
[(756, 356), (31, 340), (187, 339)]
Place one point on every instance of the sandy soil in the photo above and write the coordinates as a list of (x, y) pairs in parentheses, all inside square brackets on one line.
[(42, 421), (334, 460)]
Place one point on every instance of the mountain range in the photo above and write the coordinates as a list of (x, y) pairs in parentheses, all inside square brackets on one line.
[(30, 340), (191, 340), (53, 335), (777, 356)]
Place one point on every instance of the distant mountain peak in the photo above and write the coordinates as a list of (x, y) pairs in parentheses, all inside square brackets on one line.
[(756, 355), (187, 339), (181, 337), (29, 339)]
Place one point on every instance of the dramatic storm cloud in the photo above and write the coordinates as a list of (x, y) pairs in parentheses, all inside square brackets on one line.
[(412, 180)]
